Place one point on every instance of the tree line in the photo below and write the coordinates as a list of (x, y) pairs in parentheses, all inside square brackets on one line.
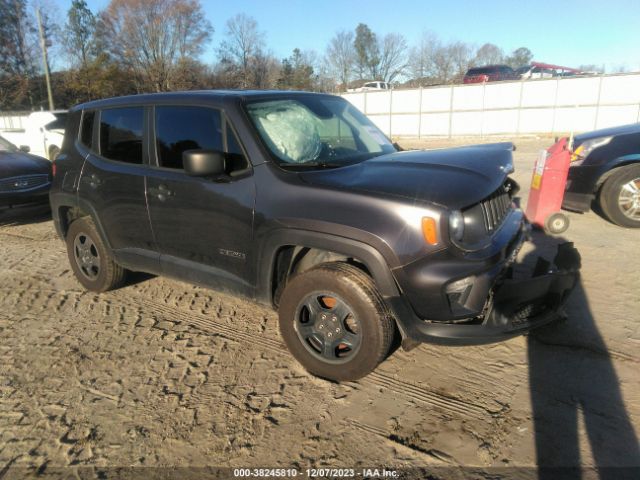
[(136, 46)]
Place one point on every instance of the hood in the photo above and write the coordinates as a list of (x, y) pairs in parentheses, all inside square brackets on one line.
[(607, 132), (453, 178), (13, 164)]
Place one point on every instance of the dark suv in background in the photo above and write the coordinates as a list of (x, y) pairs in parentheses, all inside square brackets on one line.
[(298, 201), (490, 73)]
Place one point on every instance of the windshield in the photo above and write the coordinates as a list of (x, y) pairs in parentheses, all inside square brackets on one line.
[(317, 131), (7, 146)]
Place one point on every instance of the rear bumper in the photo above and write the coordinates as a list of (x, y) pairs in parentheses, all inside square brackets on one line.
[(515, 306)]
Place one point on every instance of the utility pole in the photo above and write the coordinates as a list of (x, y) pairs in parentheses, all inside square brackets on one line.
[(45, 61)]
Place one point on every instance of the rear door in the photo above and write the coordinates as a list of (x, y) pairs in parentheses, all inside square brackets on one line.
[(113, 185), (203, 226)]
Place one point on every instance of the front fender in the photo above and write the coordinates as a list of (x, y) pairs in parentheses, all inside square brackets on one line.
[(608, 168), (368, 255)]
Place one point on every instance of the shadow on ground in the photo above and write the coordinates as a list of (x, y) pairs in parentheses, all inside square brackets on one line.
[(25, 215), (572, 380)]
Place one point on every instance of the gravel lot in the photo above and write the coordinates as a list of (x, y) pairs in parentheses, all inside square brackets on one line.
[(161, 373)]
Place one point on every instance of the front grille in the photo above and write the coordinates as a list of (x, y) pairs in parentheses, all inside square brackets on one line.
[(495, 208), (23, 183)]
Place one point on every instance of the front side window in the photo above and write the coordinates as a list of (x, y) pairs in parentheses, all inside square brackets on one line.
[(186, 128), (121, 134), (316, 131)]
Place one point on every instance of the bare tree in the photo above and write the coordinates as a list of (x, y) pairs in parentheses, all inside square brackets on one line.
[(393, 57), (591, 67), (442, 64), (243, 44), (421, 59), (340, 56), (265, 70), (18, 54), (519, 57), (461, 56), (152, 37), (488, 54)]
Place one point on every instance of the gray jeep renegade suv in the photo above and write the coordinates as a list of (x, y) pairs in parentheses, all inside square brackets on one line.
[(297, 200)]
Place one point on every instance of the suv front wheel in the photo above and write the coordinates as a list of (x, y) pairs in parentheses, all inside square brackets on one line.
[(89, 259), (335, 323)]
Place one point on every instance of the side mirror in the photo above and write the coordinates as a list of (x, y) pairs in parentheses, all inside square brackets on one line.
[(204, 163), (25, 148)]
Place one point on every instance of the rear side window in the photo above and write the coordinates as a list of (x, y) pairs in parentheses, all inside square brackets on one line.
[(186, 128), (121, 134), (86, 130)]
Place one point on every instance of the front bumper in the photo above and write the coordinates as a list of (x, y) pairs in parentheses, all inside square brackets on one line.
[(582, 182), (35, 196), (515, 306), (577, 202)]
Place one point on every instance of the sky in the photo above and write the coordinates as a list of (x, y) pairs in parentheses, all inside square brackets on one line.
[(564, 32)]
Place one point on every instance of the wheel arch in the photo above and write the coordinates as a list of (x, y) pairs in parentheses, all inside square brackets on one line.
[(66, 213), (614, 167), (290, 251)]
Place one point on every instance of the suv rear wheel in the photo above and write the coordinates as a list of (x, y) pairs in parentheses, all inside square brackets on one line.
[(334, 322), (620, 197), (90, 261)]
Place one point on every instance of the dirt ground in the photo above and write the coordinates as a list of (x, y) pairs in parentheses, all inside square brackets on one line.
[(164, 374)]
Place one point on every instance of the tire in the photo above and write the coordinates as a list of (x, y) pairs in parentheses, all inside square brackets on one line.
[(53, 153), (335, 300), (90, 260), (556, 223), (619, 197)]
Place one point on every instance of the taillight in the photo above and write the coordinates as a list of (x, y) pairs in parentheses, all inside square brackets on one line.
[(53, 168)]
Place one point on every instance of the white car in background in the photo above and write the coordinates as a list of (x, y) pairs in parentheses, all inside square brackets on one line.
[(372, 86), (531, 71), (42, 134)]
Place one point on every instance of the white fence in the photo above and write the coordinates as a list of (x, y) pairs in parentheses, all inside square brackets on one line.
[(547, 106), (12, 121)]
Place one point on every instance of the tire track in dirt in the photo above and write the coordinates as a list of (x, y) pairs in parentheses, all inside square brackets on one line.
[(446, 403), (434, 457), (422, 395)]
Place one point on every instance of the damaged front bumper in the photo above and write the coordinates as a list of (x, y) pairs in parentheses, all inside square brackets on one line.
[(516, 306)]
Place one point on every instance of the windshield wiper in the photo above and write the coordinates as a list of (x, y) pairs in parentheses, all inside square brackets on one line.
[(306, 165)]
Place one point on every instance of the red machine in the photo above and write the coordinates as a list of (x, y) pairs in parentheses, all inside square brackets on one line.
[(547, 188)]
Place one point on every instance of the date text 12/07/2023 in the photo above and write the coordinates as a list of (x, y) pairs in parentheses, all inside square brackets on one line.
[(315, 473)]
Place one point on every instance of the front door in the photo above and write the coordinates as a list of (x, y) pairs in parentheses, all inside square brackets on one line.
[(202, 226)]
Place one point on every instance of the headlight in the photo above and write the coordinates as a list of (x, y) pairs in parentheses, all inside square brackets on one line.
[(585, 148), (456, 225)]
